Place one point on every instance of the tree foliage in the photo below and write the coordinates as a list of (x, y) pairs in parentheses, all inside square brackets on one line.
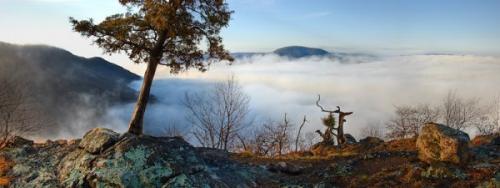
[(166, 31)]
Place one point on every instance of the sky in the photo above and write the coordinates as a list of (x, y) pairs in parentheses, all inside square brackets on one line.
[(382, 26)]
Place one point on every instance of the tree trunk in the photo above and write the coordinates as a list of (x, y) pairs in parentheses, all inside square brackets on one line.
[(136, 123)]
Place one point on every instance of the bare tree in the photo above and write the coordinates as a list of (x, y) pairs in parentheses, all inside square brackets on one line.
[(17, 117), (329, 122), (489, 122), (282, 136), (310, 138), (262, 141), (272, 139), (219, 114), (460, 113), (408, 120), (298, 133)]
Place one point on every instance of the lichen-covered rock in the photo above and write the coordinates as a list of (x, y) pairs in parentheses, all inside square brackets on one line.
[(131, 161), (146, 161), (440, 143), (98, 139)]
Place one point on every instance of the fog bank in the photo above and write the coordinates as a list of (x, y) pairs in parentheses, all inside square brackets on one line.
[(278, 85)]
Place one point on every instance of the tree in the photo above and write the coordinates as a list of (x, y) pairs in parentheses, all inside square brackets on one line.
[(282, 136), (219, 114), (161, 32), (304, 121), (460, 113), (408, 120), (329, 122), (489, 122), (272, 138), (17, 116)]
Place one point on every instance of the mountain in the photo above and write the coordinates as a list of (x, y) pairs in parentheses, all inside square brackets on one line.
[(65, 87), (300, 51)]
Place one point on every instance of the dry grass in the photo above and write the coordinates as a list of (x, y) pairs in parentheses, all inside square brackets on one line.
[(5, 166)]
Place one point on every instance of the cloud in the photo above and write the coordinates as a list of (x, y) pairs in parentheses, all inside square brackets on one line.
[(279, 85)]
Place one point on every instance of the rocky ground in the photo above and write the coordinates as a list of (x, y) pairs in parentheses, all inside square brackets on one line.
[(440, 157)]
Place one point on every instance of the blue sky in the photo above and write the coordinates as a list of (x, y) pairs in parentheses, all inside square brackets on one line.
[(393, 26)]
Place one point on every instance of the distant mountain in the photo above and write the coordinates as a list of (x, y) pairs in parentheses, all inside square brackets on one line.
[(65, 86), (300, 51)]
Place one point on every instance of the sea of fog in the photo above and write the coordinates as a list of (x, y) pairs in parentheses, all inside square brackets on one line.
[(278, 85)]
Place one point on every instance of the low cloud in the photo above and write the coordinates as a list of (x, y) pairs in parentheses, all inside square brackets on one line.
[(279, 85)]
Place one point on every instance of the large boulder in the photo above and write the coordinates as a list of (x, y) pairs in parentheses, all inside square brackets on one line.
[(98, 139), (146, 161), (440, 143)]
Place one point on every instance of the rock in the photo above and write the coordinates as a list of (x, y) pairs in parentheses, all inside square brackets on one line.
[(98, 139), (349, 139), (285, 168), (440, 143), (18, 141), (370, 141), (492, 139), (146, 161), (443, 171)]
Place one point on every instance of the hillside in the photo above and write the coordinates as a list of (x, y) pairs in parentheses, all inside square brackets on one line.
[(300, 51), (63, 85)]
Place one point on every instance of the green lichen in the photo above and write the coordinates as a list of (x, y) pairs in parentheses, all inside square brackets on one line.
[(342, 170), (131, 170), (440, 172), (179, 181), (20, 169), (75, 179)]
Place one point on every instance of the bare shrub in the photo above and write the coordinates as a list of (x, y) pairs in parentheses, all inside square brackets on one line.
[(489, 121), (272, 139), (408, 120), (460, 113), (173, 129), (372, 130), (17, 117), (219, 114)]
